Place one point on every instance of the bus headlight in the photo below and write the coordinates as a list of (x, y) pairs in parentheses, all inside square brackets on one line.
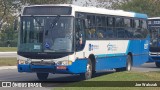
[(67, 62), (28, 61), (22, 60)]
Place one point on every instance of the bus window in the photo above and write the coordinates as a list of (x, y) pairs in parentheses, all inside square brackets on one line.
[(101, 31), (91, 20), (91, 33), (110, 33), (137, 29), (144, 28), (119, 22), (99, 21), (110, 22), (127, 22), (80, 34)]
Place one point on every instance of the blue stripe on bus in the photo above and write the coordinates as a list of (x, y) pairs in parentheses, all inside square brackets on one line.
[(141, 15), (109, 55)]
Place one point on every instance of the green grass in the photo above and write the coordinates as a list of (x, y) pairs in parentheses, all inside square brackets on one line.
[(8, 61), (119, 76), (8, 49)]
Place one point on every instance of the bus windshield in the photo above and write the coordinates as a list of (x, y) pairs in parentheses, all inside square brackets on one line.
[(46, 34), (155, 36)]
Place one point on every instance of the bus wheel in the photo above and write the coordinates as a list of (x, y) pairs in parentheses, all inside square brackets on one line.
[(42, 76), (88, 73), (129, 63), (157, 64)]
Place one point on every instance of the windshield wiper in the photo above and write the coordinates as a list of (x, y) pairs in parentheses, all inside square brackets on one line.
[(53, 24), (55, 21), (36, 20)]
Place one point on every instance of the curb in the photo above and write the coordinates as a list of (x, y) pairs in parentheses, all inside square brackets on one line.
[(7, 67)]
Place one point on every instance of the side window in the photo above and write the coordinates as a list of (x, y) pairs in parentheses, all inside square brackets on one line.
[(80, 34), (137, 24), (137, 29), (127, 22), (128, 27), (119, 22), (91, 21), (99, 21), (119, 27), (144, 28), (110, 32), (91, 31), (110, 22), (100, 28), (101, 31)]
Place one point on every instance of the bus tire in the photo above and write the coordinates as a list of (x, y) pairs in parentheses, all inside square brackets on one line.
[(42, 76), (157, 64), (128, 65), (88, 73), (93, 61)]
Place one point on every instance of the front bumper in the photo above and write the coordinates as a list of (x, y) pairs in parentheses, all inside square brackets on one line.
[(154, 57), (79, 66)]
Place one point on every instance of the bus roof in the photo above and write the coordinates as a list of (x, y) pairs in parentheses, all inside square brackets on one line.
[(154, 18), (97, 10)]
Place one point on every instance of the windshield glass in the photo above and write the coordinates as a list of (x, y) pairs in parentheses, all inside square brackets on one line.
[(155, 36), (46, 34)]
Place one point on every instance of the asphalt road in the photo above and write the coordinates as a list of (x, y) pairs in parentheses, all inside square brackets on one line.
[(13, 75), (8, 54)]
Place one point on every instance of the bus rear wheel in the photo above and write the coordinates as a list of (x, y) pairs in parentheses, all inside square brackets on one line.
[(88, 73), (128, 65), (157, 64), (42, 76)]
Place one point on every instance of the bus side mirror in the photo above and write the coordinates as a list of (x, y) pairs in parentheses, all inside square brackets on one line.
[(86, 23), (15, 25)]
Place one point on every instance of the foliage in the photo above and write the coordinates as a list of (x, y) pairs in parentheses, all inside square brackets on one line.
[(9, 10), (150, 7)]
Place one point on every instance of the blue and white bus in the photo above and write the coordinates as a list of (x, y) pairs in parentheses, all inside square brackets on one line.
[(80, 40), (154, 29)]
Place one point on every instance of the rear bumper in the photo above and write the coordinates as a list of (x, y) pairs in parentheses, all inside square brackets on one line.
[(79, 66)]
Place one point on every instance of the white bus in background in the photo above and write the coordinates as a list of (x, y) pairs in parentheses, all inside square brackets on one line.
[(80, 40)]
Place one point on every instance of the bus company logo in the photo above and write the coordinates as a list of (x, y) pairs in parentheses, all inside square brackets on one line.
[(146, 44), (93, 47), (111, 47)]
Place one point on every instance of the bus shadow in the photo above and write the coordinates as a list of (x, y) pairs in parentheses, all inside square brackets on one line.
[(65, 80), (75, 78)]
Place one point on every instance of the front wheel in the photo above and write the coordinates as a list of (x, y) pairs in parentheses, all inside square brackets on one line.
[(157, 64), (42, 76), (88, 73)]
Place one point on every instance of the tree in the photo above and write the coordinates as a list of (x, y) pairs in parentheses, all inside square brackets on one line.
[(9, 10), (150, 7)]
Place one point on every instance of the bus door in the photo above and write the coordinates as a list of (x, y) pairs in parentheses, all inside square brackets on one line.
[(80, 34)]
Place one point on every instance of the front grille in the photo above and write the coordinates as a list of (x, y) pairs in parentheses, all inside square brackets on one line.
[(43, 63), (43, 70)]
